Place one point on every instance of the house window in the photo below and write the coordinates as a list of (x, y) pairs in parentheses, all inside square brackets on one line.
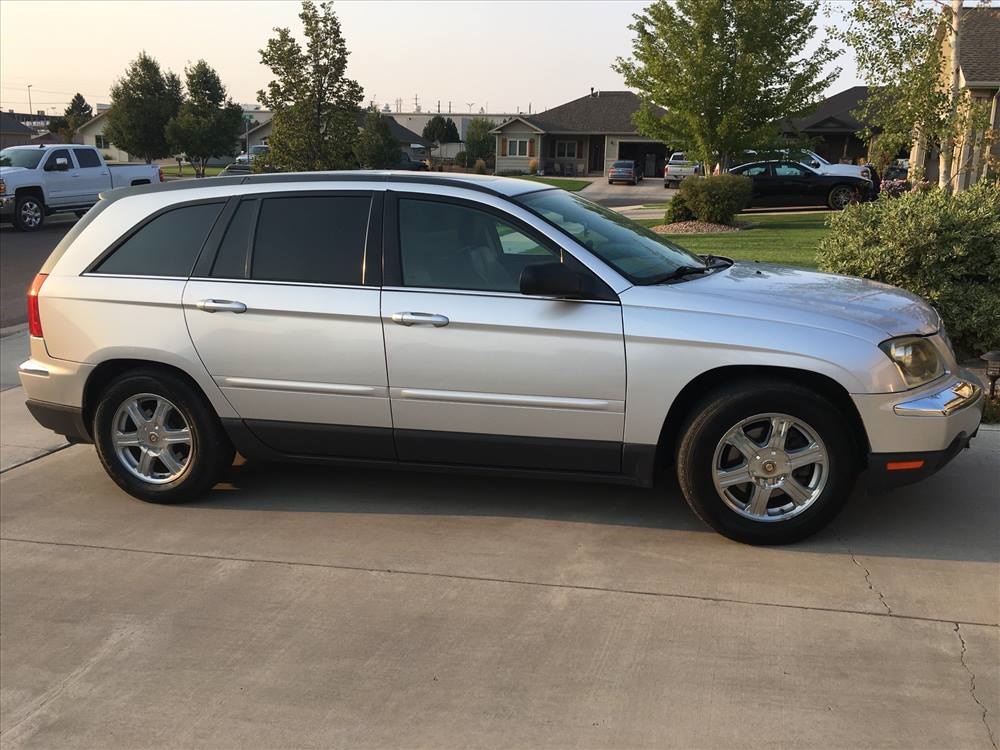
[(518, 147), (101, 142), (566, 150)]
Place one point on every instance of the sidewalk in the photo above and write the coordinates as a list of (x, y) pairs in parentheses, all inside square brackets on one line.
[(22, 439)]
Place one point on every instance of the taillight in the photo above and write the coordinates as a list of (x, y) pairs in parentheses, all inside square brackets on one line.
[(34, 319)]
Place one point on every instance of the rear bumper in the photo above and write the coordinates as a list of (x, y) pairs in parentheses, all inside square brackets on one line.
[(61, 419)]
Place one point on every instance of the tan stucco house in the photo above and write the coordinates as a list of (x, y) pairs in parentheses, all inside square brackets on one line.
[(979, 78), (582, 137)]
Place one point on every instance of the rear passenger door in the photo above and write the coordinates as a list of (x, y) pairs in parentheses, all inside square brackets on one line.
[(283, 309)]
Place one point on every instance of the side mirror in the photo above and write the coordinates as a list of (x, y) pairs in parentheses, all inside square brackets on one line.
[(552, 280)]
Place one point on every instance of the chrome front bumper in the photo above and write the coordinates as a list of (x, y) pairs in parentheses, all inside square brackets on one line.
[(927, 419)]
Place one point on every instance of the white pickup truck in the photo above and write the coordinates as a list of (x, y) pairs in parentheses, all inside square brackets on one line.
[(679, 168), (36, 181)]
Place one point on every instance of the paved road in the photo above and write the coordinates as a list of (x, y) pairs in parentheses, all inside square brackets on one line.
[(306, 607), (21, 255)]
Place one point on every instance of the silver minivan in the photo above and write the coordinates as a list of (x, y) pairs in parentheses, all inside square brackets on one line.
[(402, 320)]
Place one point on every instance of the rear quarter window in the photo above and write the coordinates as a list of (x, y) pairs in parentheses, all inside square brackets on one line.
[(167, 245)]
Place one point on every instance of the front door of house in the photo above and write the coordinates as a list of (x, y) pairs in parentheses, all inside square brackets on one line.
[(596, 154)]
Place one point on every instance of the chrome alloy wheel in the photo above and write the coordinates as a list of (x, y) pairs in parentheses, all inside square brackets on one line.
[(841, 198), (770, 467), (31, 213), (152, 439)]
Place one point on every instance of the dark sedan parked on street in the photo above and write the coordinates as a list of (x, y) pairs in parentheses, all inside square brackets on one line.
[(786, 183)]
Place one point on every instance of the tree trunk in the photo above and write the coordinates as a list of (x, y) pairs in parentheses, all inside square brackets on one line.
[(948, 147)]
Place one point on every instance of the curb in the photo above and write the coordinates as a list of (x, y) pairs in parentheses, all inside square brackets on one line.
[(13, 330)]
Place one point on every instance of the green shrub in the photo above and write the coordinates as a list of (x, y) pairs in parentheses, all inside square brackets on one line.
[(718, 198), (944, 248), (480, 167), (677, 210)]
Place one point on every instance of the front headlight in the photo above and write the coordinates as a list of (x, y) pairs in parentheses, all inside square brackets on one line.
[(915, 357)]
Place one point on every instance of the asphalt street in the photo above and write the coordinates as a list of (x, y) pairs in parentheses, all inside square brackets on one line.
[(311, 607), (21, 255)]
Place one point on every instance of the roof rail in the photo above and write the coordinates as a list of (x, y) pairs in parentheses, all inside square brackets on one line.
[(279, 177)]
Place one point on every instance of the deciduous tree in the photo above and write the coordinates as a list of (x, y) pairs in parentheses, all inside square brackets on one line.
[(208, 122), (314, 103), (143, 101), (726, 71), (377, 147)]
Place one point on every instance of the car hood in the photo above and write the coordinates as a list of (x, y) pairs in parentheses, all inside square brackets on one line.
[(846, 170), (763, 291)]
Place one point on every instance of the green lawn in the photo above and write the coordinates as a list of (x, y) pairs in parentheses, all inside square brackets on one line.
[(572, 186), (788, 239), (188, 171)]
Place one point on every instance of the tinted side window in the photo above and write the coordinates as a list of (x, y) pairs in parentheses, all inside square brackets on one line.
[(166, 246), (231, 260), (319, 239), (448, 246), (86, 157), (61, 153)]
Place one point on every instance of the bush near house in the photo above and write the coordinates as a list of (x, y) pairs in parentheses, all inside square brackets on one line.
[(718, 198), (945, 248)]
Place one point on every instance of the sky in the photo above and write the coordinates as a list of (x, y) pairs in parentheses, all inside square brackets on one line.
[(503, 56)]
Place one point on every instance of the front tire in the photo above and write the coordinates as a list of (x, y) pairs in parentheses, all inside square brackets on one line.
[(769, 463), (840, 197), (158, 438), (29, 213)]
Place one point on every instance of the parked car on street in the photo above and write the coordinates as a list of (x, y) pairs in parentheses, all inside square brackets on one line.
[(246, 159), (787, 183), (410, 164), (37, 181), (678, 168), (393, 320), (625, 171)]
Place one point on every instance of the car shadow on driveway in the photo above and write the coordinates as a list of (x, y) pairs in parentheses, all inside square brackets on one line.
[(954, 515)]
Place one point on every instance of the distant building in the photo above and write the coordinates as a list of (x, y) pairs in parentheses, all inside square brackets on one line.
[(12, 132), (584, 136), (833, 127)]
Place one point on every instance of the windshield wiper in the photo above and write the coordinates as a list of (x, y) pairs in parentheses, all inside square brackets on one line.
[(677, 273)]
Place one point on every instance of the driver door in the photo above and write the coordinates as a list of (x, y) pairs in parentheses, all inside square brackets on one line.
[(60, 185), (481, 374)]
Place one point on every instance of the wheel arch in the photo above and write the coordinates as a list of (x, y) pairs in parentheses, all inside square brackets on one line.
[(691, 395), (106, 372)]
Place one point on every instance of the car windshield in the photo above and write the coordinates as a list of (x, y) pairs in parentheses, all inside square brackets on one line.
[(622, 165), (21, 157), (641, 256)]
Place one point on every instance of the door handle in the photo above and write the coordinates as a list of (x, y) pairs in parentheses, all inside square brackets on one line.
[(221, 305), (419, 318)]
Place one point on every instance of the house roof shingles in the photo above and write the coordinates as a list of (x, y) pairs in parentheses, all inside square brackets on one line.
[(979, 50), (602, 112), (10, 125)]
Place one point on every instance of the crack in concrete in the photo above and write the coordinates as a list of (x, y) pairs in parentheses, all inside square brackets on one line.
[(972, 688), (492, 579), (868, 580)]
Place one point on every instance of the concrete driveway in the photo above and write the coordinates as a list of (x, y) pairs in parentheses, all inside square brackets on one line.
[(310, 607), (649, 190)]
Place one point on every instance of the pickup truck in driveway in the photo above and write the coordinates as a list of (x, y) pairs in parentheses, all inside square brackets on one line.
[(36, 181), (679, 168)]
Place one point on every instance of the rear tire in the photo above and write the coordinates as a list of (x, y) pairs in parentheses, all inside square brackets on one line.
[(741, 492), (159, 439), (29, 213)]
